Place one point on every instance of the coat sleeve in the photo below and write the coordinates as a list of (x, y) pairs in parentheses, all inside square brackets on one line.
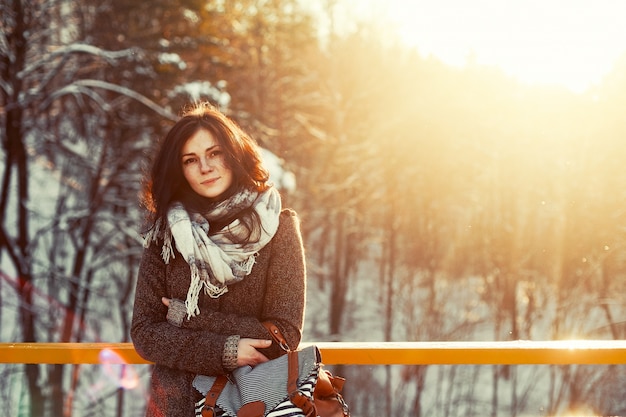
[(197, 351), (285, 296)]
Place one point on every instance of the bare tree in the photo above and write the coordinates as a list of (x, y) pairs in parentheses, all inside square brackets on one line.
[(55, 117)]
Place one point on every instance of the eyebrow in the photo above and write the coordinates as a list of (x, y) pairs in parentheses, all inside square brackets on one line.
[(206, 150)]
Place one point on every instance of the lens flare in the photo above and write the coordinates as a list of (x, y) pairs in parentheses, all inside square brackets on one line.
[(117, 370)]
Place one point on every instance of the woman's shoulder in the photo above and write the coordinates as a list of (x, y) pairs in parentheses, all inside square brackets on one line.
[(289, 217), (288, 234), (289, 223), (288, 212)]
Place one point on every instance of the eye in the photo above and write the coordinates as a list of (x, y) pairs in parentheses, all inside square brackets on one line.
[(215, 153), (189, 161)]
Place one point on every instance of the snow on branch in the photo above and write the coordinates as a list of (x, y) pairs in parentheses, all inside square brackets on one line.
[(85, 86), (79, 48)]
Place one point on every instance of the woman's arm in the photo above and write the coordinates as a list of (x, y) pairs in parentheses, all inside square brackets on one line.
[(197, 351), (286, 289)]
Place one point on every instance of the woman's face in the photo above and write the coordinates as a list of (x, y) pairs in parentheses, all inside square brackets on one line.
[(204, 165)]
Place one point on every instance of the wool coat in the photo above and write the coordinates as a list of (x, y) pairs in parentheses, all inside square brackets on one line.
[(274, 290)]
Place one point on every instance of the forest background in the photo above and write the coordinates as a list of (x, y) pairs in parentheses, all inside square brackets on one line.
[(437, 203)]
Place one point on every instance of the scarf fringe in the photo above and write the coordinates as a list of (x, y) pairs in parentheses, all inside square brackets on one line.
[(167, 251), (246, 265), (191, 303)]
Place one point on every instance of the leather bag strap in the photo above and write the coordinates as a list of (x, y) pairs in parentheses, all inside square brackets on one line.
[(277, 335), (292, 373), (208, 410), (298, 398)]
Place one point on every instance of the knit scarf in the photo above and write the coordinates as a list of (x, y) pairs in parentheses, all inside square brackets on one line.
[(216, 260)]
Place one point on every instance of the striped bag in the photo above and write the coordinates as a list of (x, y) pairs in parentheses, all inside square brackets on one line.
[(293, 385)]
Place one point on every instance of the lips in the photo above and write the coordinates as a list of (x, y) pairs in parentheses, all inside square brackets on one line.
[(210, 181)]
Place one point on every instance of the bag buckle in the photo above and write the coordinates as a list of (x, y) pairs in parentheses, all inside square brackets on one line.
[(208, 410), (304, 403)]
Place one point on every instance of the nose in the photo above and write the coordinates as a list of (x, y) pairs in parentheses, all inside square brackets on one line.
[(206, 165)]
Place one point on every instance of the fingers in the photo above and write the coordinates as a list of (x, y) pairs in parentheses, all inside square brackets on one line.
[(165, 301), (247, 353), (260, 343)]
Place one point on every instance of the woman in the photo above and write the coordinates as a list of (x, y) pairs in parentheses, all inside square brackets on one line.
[(221, 257)]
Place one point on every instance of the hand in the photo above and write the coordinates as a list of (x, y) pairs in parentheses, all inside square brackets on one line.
[(247, 353), (176, 311)]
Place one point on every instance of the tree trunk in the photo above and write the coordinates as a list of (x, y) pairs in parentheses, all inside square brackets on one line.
[(17, 159), (337, 294)]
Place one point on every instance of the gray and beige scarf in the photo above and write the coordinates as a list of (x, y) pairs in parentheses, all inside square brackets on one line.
[(216, 259)]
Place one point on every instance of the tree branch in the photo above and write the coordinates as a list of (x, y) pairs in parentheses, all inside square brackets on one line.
[(76, 87)]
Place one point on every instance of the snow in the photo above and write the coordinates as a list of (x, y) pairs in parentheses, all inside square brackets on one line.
[(283, 180), (172, 59), (199, 90)]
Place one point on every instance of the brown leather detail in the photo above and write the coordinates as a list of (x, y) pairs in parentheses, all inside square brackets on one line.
[(328, 384), (328, 401), (277, 335), (331, 407), (292, 375), (300, 400), (324, 386), (208, 410), (337, 382), (304, 403), (253, 409)]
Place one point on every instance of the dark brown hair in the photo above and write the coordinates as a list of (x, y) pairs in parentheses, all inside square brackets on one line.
[(167, 183)]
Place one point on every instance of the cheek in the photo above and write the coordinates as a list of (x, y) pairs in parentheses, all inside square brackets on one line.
[(228, 171), (187, 174), (223, 164), (225, 168)]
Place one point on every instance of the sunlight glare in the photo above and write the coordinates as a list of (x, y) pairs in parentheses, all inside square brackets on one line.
[(566, 42)]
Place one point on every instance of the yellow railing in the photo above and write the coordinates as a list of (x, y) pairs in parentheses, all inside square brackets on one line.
[(584, 352)]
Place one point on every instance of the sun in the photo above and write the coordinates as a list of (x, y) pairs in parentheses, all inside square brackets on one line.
[(572, 43)]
